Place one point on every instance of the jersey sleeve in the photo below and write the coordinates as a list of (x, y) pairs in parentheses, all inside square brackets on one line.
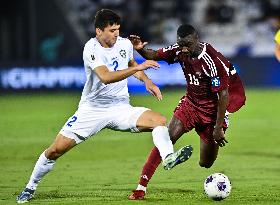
[(92, 58), (277, 37), (168, 54), (219, 69)]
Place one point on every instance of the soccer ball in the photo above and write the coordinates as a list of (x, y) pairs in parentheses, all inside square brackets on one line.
[(217, 186)]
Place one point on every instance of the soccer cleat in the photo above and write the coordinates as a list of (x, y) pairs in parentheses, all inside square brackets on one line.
[(25, 196), (137, 195), (178, 157)]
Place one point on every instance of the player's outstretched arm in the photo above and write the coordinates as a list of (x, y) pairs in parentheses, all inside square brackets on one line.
[(139, 46), (150, 86), (218, 132), (107, 76)]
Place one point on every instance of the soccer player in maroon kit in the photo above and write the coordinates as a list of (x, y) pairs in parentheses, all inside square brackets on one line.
[(214, 89)]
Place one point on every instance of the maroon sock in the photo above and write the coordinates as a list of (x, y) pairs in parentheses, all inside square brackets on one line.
[(150, 167)]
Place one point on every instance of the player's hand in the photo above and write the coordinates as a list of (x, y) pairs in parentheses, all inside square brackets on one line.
[(147, 64), (153, 89), (137, 42), (219, 136)]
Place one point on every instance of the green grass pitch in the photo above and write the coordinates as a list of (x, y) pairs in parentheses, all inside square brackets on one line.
[(104, 169)]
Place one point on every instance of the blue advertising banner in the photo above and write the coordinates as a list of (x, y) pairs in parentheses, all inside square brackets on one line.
[(260, 72), (73, 77)]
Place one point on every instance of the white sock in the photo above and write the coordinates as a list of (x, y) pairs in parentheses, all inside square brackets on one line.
[(140, 187), (162, 141), (42, 167)]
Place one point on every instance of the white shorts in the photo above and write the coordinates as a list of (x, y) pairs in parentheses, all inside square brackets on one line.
[(89, 120)]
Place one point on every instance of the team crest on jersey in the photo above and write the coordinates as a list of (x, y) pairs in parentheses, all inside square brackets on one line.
[(92, 57), (123, 53), (216, 82)]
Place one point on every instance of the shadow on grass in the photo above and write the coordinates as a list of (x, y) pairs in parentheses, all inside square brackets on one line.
[(108, 194)]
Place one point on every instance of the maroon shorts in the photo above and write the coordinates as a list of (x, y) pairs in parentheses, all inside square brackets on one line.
[(193, 117)]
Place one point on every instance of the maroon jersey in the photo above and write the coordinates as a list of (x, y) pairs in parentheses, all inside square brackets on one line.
[(206, 75)]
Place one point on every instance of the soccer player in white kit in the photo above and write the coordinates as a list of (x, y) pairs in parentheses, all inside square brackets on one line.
[(108, 61)]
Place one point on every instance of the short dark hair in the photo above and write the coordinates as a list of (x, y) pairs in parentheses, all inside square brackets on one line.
[(105, 17), (185, 30)]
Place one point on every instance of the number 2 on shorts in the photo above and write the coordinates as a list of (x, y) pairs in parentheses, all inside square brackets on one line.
[(73, 119)]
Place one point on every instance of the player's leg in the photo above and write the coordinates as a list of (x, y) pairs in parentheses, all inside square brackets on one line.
[(77, 129), (149, 119), (208, 148), (45, 164), (142, 119), (48, 158), (176, 130), (208, 153), (155, 122), (161, 139), (60, 146)]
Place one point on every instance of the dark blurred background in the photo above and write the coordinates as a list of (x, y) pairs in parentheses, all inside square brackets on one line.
[(40, 36)]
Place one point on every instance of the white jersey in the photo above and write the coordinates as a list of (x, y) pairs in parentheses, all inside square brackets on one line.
[(95, 92)]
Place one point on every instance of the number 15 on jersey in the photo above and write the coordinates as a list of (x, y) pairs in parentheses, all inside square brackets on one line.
[(193, 80)]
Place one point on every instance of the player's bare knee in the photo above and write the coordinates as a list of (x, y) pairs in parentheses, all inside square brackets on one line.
[(206, 165), (161, 121), (53, 153)]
